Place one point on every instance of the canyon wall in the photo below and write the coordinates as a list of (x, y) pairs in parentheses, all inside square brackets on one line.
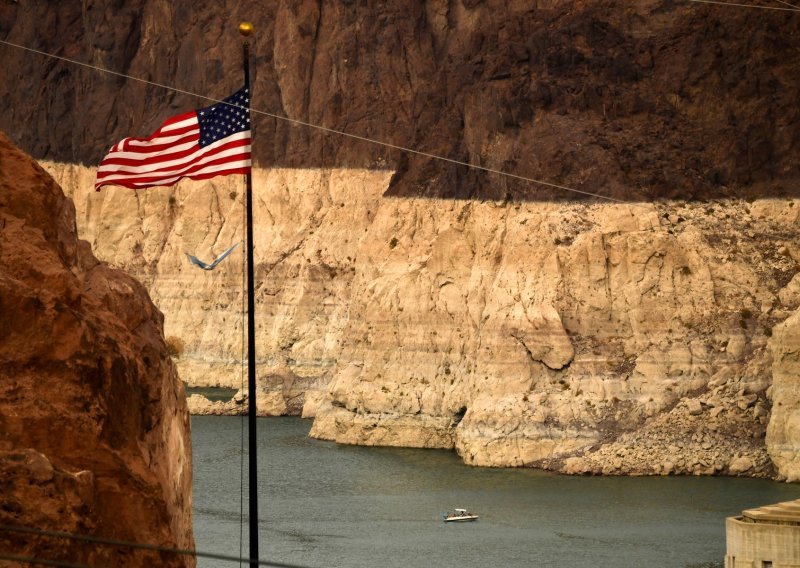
[(94, 428), (615, 338), (783, 435), (654, 98), (405, 300)]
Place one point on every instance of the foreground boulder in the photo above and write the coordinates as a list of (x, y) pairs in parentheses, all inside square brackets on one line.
[(94, 431)]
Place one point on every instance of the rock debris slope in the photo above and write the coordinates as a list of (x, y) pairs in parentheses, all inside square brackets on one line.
[(94, 430), (616, 338)]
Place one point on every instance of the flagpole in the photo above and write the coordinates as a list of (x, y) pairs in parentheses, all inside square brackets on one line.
[(246, 29)]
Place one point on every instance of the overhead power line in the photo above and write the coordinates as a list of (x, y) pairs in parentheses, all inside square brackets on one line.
[(324, 128), (36, 561), (738, 5), (128, 544)]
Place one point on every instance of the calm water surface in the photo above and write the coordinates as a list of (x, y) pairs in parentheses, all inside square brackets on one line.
[(325, 505)]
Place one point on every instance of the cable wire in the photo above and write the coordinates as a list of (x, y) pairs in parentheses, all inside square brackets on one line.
[(326, 129), (41, 561), (139, 546), (737, 5)]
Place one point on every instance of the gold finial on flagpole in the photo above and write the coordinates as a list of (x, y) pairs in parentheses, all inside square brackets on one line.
[(246, 29)]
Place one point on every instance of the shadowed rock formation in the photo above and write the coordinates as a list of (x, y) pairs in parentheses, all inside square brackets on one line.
[(654, 98), (94, 431)]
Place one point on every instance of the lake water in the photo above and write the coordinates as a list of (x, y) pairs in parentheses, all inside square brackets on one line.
[(326, 505)]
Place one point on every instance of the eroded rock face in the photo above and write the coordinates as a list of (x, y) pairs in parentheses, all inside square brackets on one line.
[(656, 328), (603, 338), (783, 435), (311, 226), (94, 431)]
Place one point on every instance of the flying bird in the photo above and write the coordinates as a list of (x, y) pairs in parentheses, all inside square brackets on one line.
[(213, 265)]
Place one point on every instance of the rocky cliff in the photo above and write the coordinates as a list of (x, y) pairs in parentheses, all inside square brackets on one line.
[(630, 99), (615, 338), (783, 434), (407, 301), (94, 430)]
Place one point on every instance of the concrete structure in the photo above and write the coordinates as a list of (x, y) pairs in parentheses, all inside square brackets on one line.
[(767, 537)]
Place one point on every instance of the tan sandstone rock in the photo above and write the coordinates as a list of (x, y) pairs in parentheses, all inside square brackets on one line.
[(517, 333), (783, 433)]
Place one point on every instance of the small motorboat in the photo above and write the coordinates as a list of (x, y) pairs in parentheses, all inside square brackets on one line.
[(459, 516)]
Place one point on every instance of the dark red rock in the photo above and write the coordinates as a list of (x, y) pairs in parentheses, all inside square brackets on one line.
[(94, 430)]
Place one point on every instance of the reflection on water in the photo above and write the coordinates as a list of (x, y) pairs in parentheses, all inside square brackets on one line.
[(322, 504)]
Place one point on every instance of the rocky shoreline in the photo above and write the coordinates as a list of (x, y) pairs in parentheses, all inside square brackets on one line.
[(692, 440)]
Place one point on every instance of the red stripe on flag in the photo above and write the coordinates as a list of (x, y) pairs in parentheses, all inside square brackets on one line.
[(201, 174), (167, 152), (174, 166), (236, 151)]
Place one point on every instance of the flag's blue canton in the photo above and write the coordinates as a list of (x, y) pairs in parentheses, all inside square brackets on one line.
[(222, 120)]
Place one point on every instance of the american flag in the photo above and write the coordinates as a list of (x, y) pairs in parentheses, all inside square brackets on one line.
[(200, 144)]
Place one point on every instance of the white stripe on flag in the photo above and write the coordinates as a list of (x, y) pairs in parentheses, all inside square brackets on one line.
[(156, 166), (143, 157), (161, 140), (153, 171), (216, 170)]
